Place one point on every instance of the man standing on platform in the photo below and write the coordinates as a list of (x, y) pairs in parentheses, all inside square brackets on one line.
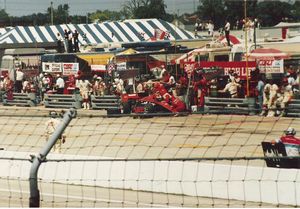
[(227, 32)]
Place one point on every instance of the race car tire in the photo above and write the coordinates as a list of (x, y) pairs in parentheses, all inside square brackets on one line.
[(149, 108), (126, 108)]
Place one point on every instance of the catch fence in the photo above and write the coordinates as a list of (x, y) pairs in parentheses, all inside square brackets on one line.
[(186, 161)]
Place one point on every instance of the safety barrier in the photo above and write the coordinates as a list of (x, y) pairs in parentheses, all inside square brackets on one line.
[(64, 101), (111, 103), (293, 108), (244, 106), (20, 99)]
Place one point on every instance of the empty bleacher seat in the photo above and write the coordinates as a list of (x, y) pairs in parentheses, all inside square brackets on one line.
[(64, 101), (245, 106), (111, 103), (293, 108), (21, 99)]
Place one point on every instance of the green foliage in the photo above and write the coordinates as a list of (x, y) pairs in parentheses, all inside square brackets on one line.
[(271, 12), (212, 10), (105, 15), (145, 9), (268, 12), (3, 15)]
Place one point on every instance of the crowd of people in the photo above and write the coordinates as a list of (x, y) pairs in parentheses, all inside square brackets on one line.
[(69, 43), (190, 88), (248, 24), (273, 97)]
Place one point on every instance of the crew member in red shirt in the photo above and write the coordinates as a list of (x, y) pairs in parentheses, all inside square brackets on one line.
[(200, 89)]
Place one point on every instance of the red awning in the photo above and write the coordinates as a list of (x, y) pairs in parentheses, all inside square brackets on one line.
[(268, 54)]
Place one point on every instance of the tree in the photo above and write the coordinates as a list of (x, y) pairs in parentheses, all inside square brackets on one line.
[(60, 15), (273, 12), (105, 15), (296, 11), (212, 10), (144, 9), (3, 15)]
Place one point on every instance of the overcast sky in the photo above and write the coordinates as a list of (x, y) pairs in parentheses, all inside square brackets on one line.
[(82, 7)]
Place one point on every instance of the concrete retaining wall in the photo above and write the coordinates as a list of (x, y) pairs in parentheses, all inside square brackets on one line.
[(246, 183)]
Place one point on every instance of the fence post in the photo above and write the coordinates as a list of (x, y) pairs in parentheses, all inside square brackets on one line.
[(34, 199)]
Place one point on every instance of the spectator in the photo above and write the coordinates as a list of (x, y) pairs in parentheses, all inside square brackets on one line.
[(140, 87), (26, 87), (227, 32), (119, 86), (9, 88), (76, 41), (99, 87), (169, 82), (2, 87), (266, 98), (260, 92), (66, 41), (60, 84), (284, 98), (85, 88), (59, 42), (19, 80), (210, 27), (296, 87), (200, 90), (51, 125), (273, 98), (232, 88), (70, 42)]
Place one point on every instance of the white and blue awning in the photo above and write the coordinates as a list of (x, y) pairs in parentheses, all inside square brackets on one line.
[(107, 32)]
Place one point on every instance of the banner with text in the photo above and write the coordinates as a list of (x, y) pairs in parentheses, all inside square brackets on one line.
[(240, 68), (70, 68), (122, 66), (98, 68), (51, 67), (271, 66)]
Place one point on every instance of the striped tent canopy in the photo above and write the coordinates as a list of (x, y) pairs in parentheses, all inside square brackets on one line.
[(5, 30), (106, 32)]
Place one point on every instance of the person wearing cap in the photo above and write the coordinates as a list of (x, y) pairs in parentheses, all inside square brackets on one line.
[(284, 98), (232, 88), (51, 125), (291, 143), (85, 87), (99, 87)]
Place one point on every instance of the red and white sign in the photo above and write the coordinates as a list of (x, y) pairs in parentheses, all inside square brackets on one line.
[(70, 68), (238, 67), (51, 67), (98, 68), (271, 66)]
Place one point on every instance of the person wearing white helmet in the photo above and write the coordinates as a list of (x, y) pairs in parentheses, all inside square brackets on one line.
[(291, 143), (85, 88), (99, 87)]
